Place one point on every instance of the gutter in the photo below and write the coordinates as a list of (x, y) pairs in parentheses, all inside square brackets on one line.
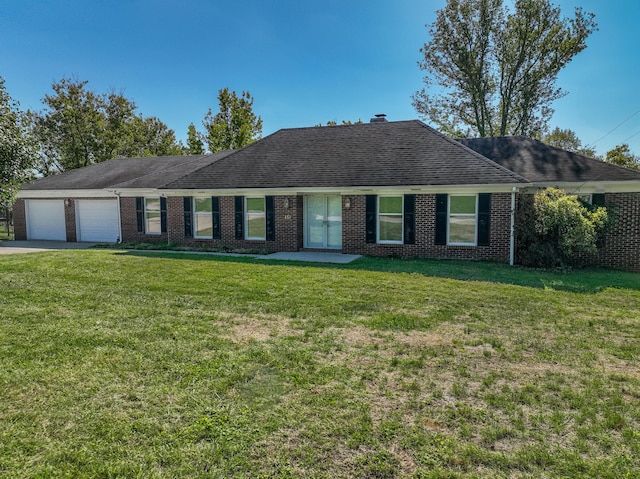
[(119, 218), (512, 237)]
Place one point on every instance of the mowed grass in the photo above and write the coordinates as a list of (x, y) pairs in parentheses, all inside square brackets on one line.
[(118, 364)]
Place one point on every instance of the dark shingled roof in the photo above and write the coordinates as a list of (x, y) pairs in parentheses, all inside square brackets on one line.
[(402, 153), (147, 172), (538, 162)]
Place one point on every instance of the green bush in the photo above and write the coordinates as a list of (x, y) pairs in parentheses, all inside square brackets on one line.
[(556, 229)]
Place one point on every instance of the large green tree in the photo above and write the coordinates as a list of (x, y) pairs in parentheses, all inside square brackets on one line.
[(79, 127), (621, 155), (17, 152), (491, 66), (235, 125), (568, 140), (195, 145)]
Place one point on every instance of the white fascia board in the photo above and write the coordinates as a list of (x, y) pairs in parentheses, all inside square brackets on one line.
[(592, 186), (26, 194), (353, 190)]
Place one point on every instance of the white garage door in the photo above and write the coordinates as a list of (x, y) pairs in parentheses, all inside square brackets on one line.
[(97, 220), (45, 220)]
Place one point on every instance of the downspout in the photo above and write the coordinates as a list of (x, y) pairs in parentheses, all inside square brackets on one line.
[(512, 237), (119, 218)]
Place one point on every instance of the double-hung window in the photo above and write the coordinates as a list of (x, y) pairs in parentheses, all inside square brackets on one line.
[(390, 222), (203, 219), (152, 216), (255, 218), (463, 214)]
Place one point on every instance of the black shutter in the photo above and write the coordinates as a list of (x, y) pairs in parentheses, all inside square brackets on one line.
[(484, 219), (441, 218), (140, 213), (215, 216), (270, 216), (239, 217), (163, 214), (188, 217), (409, 219), (597, 199), (371, 220)]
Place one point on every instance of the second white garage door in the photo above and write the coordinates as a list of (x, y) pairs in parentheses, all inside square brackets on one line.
[(97, 220)]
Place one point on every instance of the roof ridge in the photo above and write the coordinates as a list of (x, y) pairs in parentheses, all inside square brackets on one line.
[(475, 153), (231, 152)]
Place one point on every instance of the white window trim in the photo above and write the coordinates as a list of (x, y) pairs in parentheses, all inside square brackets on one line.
[(195, 219), (586, 197), (146, 221), (378, 240), (460, 215), (246, 218)]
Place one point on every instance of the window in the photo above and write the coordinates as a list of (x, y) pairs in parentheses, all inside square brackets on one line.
[(203, 218), (255, 219), (462, 220), (585, 197), (390, 224), (152, 216)]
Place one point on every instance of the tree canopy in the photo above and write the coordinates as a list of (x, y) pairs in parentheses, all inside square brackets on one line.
[(491, 69), (235, 125), (568, 140), (79, 127), (621, 155), (17, 153), (195, 145)]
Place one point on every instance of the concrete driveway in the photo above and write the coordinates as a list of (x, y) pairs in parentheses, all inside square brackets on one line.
[(34, 246)]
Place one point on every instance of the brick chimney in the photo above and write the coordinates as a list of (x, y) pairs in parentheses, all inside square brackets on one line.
[(379, 118)]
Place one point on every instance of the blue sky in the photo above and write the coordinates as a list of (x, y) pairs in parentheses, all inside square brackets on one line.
[(305, 62)]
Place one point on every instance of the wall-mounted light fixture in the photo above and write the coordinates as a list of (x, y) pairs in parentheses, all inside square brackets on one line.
[(286, 203), (67, 202), (347, 202)]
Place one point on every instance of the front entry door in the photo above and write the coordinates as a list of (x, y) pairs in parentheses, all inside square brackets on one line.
[(323, 221)]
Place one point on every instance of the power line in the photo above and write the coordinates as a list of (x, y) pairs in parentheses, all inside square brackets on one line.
[(614, 129), (636, 133)]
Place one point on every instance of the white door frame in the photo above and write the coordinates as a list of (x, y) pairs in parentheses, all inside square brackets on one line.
[(326, 223)]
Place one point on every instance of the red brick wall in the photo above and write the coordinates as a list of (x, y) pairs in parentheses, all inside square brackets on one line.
[(621, 248), (353, 233), (70, 219), (129, 222), (288, 226), (19, 221)]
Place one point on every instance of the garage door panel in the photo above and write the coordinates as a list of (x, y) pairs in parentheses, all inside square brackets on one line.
[(45, 220), (98, 220)]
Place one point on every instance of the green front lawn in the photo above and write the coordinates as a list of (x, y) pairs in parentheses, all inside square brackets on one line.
[(116, 364)]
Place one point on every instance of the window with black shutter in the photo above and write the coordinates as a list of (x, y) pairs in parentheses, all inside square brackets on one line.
[(215, 217), (371, 218), (441, 219), (270, 218), (409, 219), (140, 213), (484, 219), (239, 217), (163, 214)]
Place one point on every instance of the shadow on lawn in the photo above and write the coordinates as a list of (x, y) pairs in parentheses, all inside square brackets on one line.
[(587, 281)]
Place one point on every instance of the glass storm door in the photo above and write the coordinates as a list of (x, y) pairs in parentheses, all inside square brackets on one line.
[(323, 221)]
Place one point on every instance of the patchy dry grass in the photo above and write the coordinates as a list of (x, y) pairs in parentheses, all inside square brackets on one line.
[(125, 365)]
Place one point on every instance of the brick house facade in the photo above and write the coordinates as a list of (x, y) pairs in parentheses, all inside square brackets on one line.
[(365, 169)]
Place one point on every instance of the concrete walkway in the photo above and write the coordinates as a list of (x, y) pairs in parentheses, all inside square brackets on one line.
[(34, 246)]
